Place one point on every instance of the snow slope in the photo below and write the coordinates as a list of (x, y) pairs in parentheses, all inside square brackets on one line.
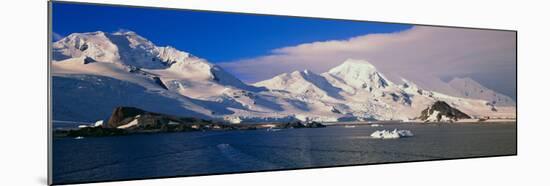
[(303, 83), (469, 88)]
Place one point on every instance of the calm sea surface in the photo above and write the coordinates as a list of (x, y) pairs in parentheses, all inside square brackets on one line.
[(193, 153)]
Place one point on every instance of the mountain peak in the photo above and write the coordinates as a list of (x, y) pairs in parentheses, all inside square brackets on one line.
[(362, 65), (351, 61), (73, 35), (124, 32), (360, 74), (470, 88), (123, 47), (304, 82)]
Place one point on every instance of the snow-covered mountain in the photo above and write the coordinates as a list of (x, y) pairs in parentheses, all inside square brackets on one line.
[(303, 83), (469, 88), (95, 72), (360, 74), (123, 68), (357, 90)]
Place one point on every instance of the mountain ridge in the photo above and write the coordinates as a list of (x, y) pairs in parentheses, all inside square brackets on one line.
[(469, 88), (354, 90)]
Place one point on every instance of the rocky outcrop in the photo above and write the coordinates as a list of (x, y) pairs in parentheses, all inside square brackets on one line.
[(131, 118), (123, 115), (299, 124), (314, 125), (88, 60), (159, 82), (440, 111)]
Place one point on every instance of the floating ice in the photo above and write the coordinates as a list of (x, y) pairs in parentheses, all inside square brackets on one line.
[(387, 134)]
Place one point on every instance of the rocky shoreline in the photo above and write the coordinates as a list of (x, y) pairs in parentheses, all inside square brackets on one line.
[(131, 120)]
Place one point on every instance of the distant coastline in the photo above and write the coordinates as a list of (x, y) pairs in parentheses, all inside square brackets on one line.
[(130, 120)]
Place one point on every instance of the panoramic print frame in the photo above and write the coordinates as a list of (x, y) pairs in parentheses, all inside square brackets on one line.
[(131, 121)]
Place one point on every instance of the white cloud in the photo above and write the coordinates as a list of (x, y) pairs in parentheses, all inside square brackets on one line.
[(418, 54)]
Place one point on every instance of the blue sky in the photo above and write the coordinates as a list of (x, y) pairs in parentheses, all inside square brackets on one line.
[(217, 37)]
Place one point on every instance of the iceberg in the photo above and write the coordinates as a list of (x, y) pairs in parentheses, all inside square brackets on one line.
[(387, 134)]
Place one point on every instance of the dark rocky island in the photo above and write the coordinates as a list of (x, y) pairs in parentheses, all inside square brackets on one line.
[(441, 111), (131, 120)]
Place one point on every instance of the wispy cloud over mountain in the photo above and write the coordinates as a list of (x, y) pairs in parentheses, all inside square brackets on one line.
[(423, 54)]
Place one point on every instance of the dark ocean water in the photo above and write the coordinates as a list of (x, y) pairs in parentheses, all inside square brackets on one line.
[(194, 153)]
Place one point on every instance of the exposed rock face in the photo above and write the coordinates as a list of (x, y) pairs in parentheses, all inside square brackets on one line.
[(123, 115), (88, 60), (314, 125), (299, 124), (136, 119), (441, 111), (160, 83)]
